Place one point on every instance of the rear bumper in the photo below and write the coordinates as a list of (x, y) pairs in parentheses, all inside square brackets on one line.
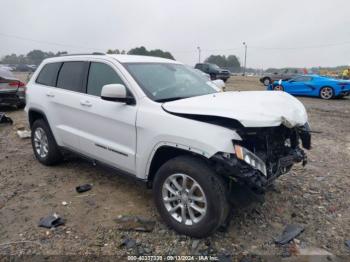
[(344, 93), (221, 76), (14, 98)]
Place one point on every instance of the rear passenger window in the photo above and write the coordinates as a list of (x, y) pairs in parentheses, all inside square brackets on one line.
[(71, 76), (99, 75), (48, 74)]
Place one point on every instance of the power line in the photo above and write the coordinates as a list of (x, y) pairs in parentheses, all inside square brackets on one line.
[(48, 43), (302, 47)]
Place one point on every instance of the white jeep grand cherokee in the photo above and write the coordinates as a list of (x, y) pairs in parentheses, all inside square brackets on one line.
[(160, 121)]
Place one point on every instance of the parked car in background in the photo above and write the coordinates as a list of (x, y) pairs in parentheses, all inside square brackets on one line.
[(24, 68), (6, 67), (12, 90), (219, 84), (284, 74), (214, 71), (156, 120), (313, 85)]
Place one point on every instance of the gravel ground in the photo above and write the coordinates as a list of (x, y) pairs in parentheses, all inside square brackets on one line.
[(317, 197)]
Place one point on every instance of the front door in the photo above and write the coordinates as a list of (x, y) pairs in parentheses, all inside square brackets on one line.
[(108, 129)]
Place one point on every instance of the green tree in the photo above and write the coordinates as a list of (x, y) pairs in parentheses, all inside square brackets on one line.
[(111, 51), (10, 59), (230, 62), (36, 56), (156, 52)]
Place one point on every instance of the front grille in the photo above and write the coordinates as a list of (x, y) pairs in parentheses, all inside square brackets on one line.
[(274, 145)]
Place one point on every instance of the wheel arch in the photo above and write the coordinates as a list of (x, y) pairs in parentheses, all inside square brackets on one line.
[(35, 114), (324, 86), (165, 152)]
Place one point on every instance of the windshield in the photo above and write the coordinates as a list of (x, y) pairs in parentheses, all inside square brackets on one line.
[(165, 82)]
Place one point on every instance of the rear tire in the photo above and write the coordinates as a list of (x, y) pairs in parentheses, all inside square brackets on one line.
[(208, 199), (326, 92), (266, 81), (44, 145)]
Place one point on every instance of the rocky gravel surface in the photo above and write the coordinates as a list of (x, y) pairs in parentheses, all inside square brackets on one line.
[(316, 196)]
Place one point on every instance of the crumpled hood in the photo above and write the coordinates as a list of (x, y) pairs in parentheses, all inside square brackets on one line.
[(250, 108)]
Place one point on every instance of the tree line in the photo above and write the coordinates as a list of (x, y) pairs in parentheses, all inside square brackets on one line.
[(35, 57), (230, 62)]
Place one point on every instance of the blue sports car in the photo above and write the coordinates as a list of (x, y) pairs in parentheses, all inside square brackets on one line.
[(313, 85)]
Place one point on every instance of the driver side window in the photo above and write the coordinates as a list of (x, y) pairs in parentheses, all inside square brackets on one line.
[(99, 75)]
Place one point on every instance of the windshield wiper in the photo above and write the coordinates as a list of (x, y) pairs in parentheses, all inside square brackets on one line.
[(171, 99)]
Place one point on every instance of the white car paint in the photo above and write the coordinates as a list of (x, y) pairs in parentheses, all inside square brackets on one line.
[(251, 108), (220, 84), (127, 136)]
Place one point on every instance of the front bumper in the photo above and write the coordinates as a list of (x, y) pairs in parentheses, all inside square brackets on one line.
[(258, 169)]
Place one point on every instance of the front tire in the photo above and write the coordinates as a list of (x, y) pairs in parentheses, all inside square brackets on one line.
[(326, 93), (190, 197), (44, 144)]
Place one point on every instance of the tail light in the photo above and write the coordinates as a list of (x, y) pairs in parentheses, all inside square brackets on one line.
[(14, 83), (18, 84)]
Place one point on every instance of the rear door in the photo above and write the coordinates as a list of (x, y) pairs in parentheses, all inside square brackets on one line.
[(107, 129), (65, 106)]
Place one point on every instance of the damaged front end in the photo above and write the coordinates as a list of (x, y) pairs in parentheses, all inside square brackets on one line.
[(264, 154)]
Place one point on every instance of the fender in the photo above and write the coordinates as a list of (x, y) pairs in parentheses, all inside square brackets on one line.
[(39, 111), (174, 145)]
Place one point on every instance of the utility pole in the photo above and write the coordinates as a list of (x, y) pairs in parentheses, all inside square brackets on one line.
[(245, 58), (199, 54)]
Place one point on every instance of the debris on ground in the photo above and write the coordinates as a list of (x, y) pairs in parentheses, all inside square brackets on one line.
[(134, 223), (83, 188), (128, 243), (51, 221), (5, 119), (195, 244), (289, 233), (24, 134), (347, 243), (64, 203)]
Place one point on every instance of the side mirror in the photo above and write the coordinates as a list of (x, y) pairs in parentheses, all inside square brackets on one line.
[(116, 93)]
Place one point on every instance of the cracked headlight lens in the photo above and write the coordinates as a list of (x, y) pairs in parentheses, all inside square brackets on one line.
[(250, 158)]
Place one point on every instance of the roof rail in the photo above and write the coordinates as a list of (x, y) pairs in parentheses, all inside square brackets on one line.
[(94, 53)]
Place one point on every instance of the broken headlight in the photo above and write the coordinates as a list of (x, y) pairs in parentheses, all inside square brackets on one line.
[(250, 158)]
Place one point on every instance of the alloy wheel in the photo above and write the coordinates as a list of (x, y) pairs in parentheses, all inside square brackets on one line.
[(184, 199), (326, 93), (40, 142)]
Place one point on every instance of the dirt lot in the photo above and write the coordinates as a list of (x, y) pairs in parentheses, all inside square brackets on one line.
[(317, 197)]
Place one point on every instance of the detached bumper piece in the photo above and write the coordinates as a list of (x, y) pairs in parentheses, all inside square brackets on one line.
[(263, 155)]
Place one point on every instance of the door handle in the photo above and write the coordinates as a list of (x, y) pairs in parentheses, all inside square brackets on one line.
[(50, 94), (86, 103)]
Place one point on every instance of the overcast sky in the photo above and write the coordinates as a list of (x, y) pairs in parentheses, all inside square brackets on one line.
[(279, 33)]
